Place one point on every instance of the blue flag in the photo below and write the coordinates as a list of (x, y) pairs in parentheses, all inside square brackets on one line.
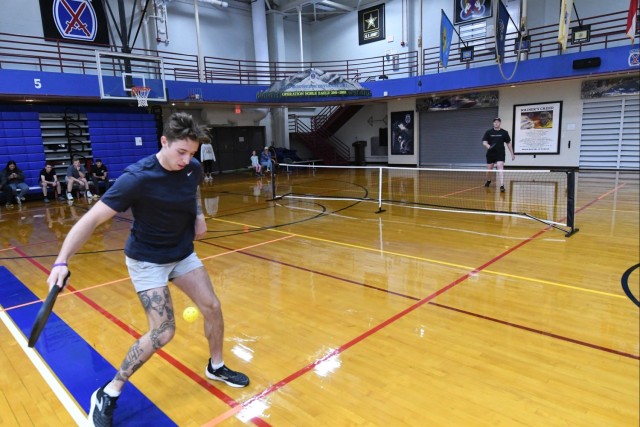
[(502, 21), (446, 34)]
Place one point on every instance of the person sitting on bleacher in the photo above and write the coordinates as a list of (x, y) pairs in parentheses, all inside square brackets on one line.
[(265, 159), (48, 179), (99, 173), (255, 163), (12, 183), (77, 174)]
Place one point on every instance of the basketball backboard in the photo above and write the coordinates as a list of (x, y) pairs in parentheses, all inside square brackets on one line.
[(119, 72)]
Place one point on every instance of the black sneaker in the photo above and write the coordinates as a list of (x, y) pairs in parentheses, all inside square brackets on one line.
[(502, 188), (102, 406), (488, 183), (227, 376)]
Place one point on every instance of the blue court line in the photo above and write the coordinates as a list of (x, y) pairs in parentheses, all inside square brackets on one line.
[(78, 366)]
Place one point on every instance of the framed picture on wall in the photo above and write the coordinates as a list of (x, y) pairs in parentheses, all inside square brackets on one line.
[(402, 132), (371, 24), (472, 10), (536, 128)]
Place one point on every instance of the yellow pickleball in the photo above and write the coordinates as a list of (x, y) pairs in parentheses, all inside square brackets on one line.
[(190, 314)]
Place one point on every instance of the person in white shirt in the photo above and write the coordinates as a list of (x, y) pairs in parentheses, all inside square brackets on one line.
[(255, 163), (207, 157)]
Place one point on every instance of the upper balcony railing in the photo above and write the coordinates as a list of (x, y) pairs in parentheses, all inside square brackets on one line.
[(19, 52), (606, 31)]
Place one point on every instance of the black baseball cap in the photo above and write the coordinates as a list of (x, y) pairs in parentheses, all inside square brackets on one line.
[(498, 119)]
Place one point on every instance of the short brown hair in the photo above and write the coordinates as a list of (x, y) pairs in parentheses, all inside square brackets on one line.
[(182, 126)]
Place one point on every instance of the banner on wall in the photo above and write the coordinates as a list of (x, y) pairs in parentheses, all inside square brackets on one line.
[(311, 84), (471, 10), (78, 21), (625, 86), (457, 102), (371, 24), (402, 132)]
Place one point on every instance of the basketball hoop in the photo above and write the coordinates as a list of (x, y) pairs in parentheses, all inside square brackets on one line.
[(141, 93)]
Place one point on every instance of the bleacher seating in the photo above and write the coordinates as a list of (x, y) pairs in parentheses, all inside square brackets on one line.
[(21, 141), (113, 139)]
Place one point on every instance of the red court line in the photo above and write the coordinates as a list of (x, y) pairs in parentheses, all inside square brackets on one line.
[(220, 418)]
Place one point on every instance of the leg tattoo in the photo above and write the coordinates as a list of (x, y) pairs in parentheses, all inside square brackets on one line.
[(159, 309)]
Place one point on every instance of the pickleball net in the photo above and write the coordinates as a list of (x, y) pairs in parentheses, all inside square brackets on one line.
[(547, 196)]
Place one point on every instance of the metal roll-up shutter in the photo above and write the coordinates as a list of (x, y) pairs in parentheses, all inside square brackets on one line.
[(609, 137), (630, 138), (454, 138)]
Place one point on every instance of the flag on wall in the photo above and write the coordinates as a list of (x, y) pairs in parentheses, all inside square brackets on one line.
[(566, 7), (502, 21), (631, 19), (446, 34)]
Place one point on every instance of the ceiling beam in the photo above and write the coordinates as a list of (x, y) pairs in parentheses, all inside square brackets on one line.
[(337, 5)]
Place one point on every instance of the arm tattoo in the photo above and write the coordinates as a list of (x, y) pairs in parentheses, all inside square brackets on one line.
[(198, 201)]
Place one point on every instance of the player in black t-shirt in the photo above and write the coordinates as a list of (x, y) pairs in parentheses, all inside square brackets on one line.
[(494, 140)]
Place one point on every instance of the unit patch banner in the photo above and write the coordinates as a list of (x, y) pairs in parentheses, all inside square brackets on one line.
[(81, 21)]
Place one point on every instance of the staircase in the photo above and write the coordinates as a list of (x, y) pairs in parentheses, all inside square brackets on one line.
[(319, 137)]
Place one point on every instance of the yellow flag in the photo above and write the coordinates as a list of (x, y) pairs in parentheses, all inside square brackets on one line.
[(566, 7)]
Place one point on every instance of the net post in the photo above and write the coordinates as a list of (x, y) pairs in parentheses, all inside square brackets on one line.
[(380, 210), (571, 202), (274, 196)]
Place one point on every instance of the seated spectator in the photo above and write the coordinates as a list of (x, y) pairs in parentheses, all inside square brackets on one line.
[(265, 159), (77, 174), (12, 183), (255, 162), (99, 174), (48, 179)]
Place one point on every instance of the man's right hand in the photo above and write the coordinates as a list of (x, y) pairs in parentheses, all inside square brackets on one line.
[(57, 276)]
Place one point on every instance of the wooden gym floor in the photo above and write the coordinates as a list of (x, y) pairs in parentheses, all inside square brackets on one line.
[(342, 316)]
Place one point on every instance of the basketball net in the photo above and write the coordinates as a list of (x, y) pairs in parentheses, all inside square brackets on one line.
[(141, 93)]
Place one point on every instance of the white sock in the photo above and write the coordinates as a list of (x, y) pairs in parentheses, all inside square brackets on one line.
[(111, 391), (216, 366)]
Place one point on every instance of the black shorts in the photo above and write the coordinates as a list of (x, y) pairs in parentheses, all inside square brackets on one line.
[(494, 157)]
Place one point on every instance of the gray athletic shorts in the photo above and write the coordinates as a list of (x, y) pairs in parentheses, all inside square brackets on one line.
[(148, 275)]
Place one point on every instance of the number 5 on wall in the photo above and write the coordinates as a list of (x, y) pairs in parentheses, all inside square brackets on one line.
[(37, 84)]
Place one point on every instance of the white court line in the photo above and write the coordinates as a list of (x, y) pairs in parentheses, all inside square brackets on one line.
[(61, 393)]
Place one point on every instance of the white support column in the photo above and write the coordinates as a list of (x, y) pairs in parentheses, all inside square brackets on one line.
[(201, 76), (260, 43), (300, 31)]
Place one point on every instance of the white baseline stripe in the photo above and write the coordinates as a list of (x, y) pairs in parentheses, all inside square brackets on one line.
[(61, 393)]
